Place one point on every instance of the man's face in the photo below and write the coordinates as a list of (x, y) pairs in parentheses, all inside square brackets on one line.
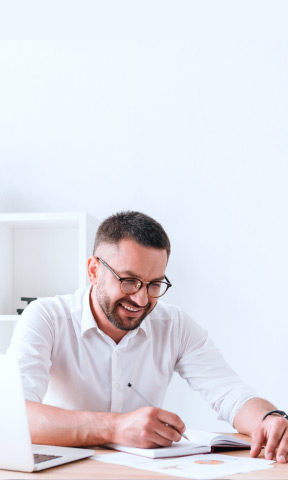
[(127, 259)]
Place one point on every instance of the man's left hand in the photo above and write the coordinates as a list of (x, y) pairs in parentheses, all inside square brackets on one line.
[(273, 433)]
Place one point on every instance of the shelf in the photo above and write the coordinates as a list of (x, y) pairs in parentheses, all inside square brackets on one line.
[(40, 220), (9, 318), (43, 254)]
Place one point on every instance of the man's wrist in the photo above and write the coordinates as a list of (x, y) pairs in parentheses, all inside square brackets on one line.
[(280, 413), (96, 428)]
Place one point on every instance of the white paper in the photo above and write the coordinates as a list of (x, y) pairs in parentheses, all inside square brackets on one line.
[(198, 467)]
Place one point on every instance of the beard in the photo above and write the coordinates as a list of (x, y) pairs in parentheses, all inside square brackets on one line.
[(110, 311)]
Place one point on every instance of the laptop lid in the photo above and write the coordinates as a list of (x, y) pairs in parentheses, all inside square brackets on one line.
[(15, 441)]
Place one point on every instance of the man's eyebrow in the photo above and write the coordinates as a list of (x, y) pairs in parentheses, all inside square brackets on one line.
[(128, 273)]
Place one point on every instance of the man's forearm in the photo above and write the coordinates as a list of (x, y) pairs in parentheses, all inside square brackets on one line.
[(146, 427), (56, 426), (250, 415)]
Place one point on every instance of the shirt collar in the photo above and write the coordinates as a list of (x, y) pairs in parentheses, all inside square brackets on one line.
[(87, 319)]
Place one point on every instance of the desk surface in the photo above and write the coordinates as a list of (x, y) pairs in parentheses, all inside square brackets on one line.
[(92, 469)]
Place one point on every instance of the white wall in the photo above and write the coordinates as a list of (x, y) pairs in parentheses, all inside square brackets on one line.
[(177, 109)]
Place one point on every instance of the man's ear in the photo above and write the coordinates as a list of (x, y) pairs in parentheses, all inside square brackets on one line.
[(93, 270)]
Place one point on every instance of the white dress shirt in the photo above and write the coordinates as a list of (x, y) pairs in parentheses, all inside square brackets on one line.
[(67, 361)]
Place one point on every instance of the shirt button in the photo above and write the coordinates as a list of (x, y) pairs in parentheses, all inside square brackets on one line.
[(116, 385)]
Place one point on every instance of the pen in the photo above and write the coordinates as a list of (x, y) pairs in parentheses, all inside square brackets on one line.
[(145, 399)]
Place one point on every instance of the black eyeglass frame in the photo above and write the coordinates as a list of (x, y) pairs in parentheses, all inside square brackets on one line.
[(121, 279)]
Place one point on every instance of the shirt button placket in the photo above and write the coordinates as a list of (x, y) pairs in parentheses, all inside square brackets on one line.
[(117, 392)]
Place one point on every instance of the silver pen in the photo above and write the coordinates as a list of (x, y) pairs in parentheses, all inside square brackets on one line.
[(148, 403)]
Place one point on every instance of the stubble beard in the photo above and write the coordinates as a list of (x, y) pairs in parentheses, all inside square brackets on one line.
[(110, 311)]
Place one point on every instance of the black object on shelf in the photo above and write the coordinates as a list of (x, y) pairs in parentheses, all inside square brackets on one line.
[(28, 299), (25, 299)]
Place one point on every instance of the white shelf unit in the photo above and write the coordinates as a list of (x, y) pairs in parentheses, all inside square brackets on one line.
[(41, 254)]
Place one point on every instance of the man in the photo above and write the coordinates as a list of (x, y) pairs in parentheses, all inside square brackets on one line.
[(79, 352)]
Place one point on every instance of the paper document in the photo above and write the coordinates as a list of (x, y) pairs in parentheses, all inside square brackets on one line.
[(198, 467)]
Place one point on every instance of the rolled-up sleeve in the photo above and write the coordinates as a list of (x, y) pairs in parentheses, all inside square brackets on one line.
[(206, 371), (31, 345)]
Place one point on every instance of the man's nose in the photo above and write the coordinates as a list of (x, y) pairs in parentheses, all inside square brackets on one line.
[(141, 297)]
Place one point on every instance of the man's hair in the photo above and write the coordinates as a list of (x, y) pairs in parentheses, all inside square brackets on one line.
[(138, 226)]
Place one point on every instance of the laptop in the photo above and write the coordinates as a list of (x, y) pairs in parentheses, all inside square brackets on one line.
[(16, 450)]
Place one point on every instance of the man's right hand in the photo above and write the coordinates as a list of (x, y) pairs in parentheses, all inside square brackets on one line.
[(148, 427)]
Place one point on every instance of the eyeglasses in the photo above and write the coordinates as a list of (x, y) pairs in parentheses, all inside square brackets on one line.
[(129, 285)]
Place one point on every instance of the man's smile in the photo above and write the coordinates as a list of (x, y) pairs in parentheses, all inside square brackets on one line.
[(131, 310)]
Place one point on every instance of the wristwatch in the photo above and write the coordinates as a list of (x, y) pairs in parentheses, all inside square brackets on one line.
[(279, 412)]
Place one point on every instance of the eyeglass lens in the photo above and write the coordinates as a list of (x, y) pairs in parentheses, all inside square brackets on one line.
[(155, 289)]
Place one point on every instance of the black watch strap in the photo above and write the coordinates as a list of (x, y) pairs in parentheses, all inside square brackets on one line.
[(279, 412)]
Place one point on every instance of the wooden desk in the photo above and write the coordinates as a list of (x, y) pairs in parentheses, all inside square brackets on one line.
[(90, 469)]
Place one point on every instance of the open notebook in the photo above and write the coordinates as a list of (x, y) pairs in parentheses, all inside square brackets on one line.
[(16, 451), (199, 442)]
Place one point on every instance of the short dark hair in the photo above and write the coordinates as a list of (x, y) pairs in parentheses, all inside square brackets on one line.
[(138, 226)]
